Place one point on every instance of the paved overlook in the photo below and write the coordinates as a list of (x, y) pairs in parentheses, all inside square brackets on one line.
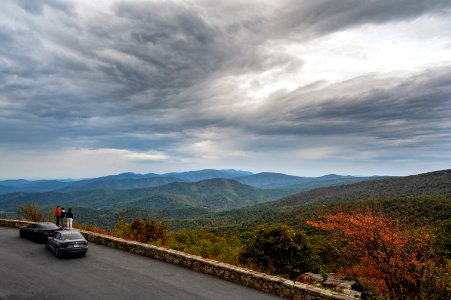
[(29, 271)]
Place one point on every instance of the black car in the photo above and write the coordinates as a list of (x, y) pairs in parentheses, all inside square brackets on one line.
[(67, 242), (38, 232)]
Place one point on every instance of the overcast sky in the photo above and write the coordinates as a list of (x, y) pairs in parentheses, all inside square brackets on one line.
[(90, 88)]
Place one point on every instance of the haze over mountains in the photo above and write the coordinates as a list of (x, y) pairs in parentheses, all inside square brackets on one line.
[(205, 190), (218, 201), (127, 181)]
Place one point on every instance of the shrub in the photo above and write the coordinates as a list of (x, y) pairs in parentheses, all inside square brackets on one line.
[(92, 228), (31, 212), (278, 249), (443, 238), (122, 228), (206, 244), (143, 231)]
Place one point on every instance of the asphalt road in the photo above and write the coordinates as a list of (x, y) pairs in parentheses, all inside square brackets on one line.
[(29, 271)]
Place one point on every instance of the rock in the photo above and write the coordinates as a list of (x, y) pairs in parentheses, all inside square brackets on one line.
[(338, 283), (310, 278)]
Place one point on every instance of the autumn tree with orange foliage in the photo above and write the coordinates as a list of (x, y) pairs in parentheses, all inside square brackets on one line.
[(392, 261)]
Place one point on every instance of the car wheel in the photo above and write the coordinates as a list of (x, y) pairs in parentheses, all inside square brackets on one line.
[(47, 246), (21, 235)]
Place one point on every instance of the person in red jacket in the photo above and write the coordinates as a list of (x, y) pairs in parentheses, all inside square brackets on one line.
[(58, 215)]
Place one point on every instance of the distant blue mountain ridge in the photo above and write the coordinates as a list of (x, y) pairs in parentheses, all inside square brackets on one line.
[(193, 176), (125, 181)]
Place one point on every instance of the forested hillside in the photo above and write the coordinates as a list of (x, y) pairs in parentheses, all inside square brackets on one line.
[(212, 194), (420, 195), (190, 205), (434, 183), (298, 184), (119, 184)]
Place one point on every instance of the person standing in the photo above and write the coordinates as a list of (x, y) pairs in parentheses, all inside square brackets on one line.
[(63, 215), (69, 218), (58, 215)]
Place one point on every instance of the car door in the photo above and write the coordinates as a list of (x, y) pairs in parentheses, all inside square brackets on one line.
[(37, 232), (29, 231), (53, 241)]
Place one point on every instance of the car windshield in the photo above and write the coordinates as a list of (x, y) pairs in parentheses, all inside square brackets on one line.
[(71, 235)]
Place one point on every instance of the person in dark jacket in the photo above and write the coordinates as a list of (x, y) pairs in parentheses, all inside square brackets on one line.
[(70, 218), (63, 215)]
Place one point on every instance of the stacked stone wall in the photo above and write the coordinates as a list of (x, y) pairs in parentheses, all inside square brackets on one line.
[(264, 282)]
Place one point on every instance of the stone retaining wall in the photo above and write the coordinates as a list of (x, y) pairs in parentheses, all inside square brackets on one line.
[(272, 284)]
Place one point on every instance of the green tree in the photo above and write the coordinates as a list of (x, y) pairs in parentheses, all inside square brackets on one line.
[(279, 249), (122, 228), (443, 238)]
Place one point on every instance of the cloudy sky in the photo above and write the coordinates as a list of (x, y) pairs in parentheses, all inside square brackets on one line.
[(90, 88)]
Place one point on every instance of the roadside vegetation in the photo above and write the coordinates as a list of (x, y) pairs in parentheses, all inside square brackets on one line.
[(388, 258), (389, 250)]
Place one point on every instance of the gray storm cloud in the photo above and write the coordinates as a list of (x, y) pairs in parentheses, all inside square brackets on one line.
[(151, 75)]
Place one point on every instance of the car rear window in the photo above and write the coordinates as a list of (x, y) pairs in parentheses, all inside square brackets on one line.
[(71, 236), (49, 226)]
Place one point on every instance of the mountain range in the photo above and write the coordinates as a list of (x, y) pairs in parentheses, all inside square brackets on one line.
[(212, 194), (126, 181), (227, 202), (193, 192), (123, 181), (417, 198)]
